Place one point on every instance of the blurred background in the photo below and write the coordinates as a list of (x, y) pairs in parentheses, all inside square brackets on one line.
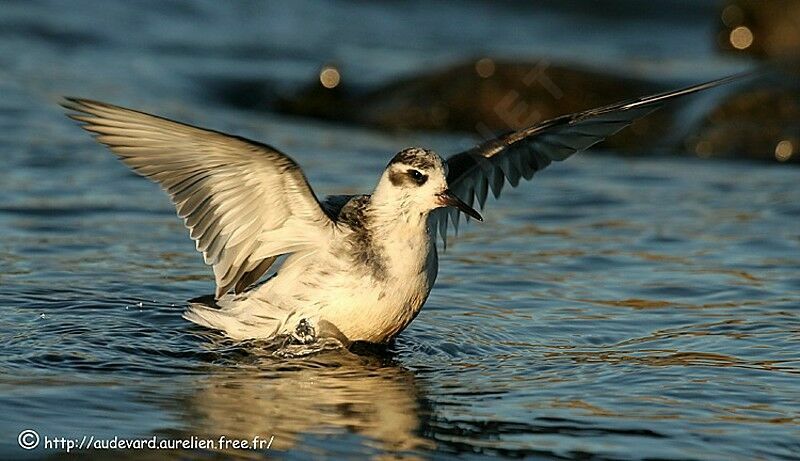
[(469, 67), (638, 301)]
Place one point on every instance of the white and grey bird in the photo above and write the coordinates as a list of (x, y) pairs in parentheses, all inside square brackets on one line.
[(358, 267)]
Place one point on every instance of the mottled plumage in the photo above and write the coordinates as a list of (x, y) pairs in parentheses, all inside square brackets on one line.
[(362, 248), (415, 157), (357, 267)]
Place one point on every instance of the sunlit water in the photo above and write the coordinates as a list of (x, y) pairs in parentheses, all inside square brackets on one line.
[(611, 309)]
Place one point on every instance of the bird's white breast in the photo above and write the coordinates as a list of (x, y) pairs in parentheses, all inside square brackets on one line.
[(366, 300)]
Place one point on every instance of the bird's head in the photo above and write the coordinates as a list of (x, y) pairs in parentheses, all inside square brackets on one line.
[(415, 181)]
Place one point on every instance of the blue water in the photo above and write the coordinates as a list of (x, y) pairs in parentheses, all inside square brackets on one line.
[(637, 308)]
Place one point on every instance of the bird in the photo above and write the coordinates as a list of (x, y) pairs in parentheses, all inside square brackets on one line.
[(356, 268)]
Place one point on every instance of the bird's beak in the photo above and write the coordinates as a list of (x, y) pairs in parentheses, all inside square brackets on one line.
[(448, 198)]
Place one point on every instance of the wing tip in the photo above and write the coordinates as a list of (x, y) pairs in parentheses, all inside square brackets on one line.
[(74, 103), (80, 108), (91, 107)]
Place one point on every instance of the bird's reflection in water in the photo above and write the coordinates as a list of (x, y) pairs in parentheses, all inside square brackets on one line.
[(332, 393)]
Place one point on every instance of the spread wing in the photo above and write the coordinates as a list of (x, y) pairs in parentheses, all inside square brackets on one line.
[(522, 153), (243, 202)]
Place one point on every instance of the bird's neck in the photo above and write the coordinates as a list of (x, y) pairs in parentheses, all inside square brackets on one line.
[(400, 231), (396, 219)]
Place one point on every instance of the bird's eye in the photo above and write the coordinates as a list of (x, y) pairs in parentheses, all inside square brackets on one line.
[(418, 177)]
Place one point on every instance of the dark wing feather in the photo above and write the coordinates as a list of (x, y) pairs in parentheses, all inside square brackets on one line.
[(520, 154)]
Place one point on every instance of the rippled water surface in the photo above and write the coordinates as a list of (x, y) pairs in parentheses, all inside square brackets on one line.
[(611, 309)]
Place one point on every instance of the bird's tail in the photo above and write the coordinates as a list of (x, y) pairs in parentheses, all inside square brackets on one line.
[(232, 318)]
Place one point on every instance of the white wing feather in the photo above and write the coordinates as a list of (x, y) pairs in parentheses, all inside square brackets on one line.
[(243, 202)]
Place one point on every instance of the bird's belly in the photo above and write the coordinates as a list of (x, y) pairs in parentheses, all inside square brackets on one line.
[(376, 312), (362, 307), (363, 303)]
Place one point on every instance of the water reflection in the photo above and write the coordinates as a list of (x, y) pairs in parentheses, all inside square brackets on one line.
[(332, 394)]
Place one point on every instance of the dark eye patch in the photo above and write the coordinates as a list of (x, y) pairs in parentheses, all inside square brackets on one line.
[(417, 177)]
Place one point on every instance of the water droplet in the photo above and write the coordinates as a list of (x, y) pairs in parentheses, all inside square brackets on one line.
[(741, 38), (732, 15), (485, 67), (784, 150), (329, 77)]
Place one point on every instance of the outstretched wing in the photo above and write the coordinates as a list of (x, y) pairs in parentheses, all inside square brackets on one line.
[(522, 153), (243, 202)]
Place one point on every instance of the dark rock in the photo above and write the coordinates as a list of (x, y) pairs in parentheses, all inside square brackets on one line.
[(486, 97), (762, 122), (481, 97)]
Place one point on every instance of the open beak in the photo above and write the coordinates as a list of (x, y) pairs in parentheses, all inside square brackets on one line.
[(448, 198)]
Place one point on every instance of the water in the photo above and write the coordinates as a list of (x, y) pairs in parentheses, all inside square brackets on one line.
[(611, 309)]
